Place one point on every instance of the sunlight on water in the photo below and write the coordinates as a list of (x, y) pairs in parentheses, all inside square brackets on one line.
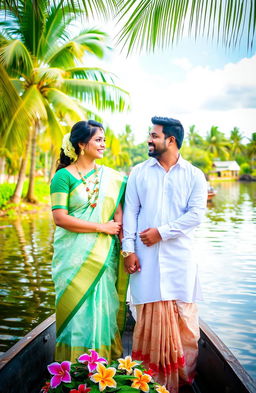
[(225, 247)]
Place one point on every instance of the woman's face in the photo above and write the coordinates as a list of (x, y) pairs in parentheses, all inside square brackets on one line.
[(96, 145)]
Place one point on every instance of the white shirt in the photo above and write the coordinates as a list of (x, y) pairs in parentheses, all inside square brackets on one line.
[(173, 202)]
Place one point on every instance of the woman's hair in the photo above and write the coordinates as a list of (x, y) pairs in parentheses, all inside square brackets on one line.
[(81, 132)]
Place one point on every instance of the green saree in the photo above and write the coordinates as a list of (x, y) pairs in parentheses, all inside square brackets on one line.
[(90, 282)]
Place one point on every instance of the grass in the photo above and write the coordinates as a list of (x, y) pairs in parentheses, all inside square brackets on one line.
[(42, 195)]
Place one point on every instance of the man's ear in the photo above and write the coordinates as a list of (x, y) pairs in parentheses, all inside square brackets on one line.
[(171, 140)]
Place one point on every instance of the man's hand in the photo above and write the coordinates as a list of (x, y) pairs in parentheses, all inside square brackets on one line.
[(150, 236), (131, 264)]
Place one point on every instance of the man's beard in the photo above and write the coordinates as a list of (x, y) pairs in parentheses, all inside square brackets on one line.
[(157, 152)]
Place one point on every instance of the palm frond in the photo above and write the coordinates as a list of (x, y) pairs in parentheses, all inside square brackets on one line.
[(46, 77), (93, 73), (15, 57), (63, 104), (19, 85), (32, 104), (91, 41), (104, 96), (9, 25), (160, 23), (90, 8), (11, 104), (57, 21), (54, 127), (32, 17)]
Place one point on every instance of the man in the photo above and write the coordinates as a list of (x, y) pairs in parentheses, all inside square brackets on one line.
[(165, 200)]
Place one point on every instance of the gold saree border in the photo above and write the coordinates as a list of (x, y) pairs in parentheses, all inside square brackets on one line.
[(109, 352)]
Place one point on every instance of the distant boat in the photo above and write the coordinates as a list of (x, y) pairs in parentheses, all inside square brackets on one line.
[(211, 192), (23, 367)]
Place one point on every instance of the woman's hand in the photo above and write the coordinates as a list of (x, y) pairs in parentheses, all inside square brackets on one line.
[(111, 227), (132, 264)]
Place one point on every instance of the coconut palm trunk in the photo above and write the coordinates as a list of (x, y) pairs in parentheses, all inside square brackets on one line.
[(22, 174), (53, 167), (2, 166), (30, 197)]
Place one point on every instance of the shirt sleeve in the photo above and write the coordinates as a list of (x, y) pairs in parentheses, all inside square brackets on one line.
[(131, 211), (59, 189), (194, 214)]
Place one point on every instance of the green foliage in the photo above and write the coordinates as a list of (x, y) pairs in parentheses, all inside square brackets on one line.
[(42, 192), (138, 153), (198, 157), (245, 168), (160, 23), (6, 191)]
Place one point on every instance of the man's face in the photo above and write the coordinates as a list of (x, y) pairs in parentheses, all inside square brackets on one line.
[(157, 144)]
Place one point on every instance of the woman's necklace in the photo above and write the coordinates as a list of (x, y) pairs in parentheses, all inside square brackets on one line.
[(92, 186)]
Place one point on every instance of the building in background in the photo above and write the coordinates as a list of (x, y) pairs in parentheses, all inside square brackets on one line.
[(225, 170)]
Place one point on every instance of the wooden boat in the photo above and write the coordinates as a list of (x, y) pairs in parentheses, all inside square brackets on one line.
[(211, 194), (23, 367)]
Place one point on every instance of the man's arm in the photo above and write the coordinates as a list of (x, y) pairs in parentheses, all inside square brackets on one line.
[(185, 223)]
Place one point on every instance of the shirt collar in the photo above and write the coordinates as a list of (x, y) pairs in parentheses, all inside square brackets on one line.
[(181, 162)]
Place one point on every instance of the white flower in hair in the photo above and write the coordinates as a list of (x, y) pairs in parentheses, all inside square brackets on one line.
[(68, 147)]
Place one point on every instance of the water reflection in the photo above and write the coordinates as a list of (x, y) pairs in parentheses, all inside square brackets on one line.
[(226, 243), (225, 247), (27, 295)]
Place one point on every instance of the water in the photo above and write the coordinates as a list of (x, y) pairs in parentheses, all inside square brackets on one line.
[(225, 246)]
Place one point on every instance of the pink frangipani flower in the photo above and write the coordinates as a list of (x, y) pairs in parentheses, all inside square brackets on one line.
[(60, 373), (92, 360)]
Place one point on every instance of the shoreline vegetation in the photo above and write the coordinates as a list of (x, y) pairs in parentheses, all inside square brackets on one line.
[(42, 197), (10, 209), (30, 191)]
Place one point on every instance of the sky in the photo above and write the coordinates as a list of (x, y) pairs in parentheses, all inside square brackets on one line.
[(200, 84)]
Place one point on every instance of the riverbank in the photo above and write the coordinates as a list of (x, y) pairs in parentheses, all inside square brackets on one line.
[(9, 209)]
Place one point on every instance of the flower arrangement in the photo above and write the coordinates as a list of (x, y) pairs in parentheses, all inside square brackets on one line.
[(91, 373), (68, 148)]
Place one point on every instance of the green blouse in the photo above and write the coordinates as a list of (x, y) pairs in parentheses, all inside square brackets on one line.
[(61, 186)]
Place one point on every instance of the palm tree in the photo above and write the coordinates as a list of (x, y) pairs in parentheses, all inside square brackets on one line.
[(194, 138), (251, 150), (236, 142), (44, 63), (116, 155), (217, 144)]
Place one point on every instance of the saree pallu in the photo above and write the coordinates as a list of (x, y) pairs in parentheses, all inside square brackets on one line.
[(90, 282), (166, 338)]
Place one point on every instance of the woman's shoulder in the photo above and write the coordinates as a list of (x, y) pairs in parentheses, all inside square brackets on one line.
[(60, 181), (61, 174)]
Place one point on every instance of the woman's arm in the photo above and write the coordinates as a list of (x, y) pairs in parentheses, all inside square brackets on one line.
[(118, 217), (73, 224)]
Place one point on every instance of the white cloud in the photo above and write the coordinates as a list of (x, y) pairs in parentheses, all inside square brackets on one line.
[(225, 97), (183, 63)]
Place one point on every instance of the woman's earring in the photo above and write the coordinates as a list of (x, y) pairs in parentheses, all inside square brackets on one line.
[(82, 152)]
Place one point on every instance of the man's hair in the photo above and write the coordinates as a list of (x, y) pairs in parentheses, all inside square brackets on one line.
[(171, 127)]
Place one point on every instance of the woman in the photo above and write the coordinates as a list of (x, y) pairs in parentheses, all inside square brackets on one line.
[(90, 283)]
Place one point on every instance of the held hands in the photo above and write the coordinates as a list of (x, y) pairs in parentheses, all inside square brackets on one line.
[(131, 264), (111, 227), (150, 236)]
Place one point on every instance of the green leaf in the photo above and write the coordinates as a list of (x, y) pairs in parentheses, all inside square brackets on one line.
[(128, 389), (149, 24), (15, 57), (124, 377)]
